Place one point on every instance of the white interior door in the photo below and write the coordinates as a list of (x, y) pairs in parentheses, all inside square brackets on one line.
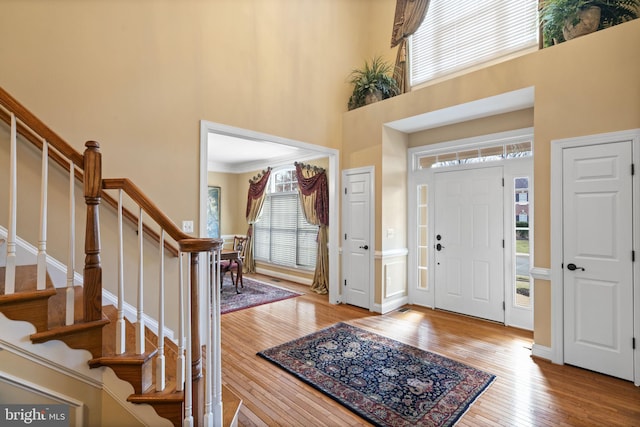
[(597, 258), (358, 239), (469, 239)]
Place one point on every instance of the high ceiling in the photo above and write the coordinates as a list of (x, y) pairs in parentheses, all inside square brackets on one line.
[(238, 155)]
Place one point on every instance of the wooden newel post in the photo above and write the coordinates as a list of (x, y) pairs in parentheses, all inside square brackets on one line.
[(92, 267)]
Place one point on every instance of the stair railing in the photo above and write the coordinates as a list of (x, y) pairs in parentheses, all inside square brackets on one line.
[(203, 398)]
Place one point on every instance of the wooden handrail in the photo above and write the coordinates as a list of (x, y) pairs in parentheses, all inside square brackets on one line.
[(40, 128), (35, 130), (186, 242)]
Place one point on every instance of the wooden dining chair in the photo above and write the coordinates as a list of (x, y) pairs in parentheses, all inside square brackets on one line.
[(240, 245)]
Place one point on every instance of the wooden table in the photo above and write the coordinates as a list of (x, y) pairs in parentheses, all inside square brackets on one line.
[(233, 256)]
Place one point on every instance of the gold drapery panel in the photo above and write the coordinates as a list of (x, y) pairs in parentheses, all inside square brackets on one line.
[(314, 194), (255, 201), (408, 17)]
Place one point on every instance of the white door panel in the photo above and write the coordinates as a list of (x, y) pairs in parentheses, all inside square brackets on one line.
[(469, 229), (598, 270), (357, 256)]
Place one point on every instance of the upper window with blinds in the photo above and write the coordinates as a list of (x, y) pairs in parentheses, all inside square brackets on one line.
[(459, 34)]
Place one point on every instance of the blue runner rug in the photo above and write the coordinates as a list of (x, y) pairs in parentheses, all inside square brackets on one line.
[(384, 381)]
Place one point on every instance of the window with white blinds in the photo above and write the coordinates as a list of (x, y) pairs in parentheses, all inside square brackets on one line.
[(282, 235), (458, 34)]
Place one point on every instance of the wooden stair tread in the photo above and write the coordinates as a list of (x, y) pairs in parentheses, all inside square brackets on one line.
[(27, 303), (230, 406), (60, 331), (25, 285), (168, 403)]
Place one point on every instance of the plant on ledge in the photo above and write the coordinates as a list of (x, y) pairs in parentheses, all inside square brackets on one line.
[(372, 83), (565, 19)]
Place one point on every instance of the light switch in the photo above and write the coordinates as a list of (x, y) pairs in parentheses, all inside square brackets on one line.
[(187, 226)]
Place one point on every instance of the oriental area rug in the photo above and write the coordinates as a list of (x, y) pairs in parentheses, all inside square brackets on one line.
[(253, 293), (384, 381)]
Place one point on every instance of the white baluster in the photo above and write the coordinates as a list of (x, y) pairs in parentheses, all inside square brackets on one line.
[(180, 362), (42, 242), (188, 397), (160, 363), (120, 323), (140, 318), (10, 269), (217, 345), (209, 420), (72, 253)]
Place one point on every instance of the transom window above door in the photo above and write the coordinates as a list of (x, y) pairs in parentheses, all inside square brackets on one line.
[(470, 155)]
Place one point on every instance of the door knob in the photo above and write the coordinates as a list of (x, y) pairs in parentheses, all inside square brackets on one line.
[(573, 267), (439, 247), (365, 247)]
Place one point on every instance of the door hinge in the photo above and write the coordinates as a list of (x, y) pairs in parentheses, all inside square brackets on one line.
[(633, 256), (345, 190), (345, 236), (633, 169), (503, 182), (345, 282), (504, 307), (633, 343), (502, 243)]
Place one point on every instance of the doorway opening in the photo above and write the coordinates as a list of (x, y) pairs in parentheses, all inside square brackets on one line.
[(296, 151)]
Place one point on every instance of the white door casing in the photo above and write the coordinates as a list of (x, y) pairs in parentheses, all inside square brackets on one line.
[(598, 268), (421, 212), (558, 264), (358, 237), (469, 242)]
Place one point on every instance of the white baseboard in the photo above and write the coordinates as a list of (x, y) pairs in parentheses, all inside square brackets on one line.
[(284, 276), (391, 305), (541, 352)]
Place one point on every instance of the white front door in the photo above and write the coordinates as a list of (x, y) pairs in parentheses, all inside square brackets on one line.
[(597, 258), (358, 239), (469, 242)]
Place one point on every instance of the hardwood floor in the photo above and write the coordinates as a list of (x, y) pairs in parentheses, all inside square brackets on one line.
[(527, 392)]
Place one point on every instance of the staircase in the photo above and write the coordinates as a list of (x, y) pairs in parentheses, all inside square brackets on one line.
[(179, 378)]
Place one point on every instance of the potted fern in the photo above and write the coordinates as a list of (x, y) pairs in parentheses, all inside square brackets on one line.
[(372, 83), (566, 19)]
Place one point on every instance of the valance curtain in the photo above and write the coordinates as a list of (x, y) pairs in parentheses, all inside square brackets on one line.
[(314, 195), (408, 17), (255, 201)]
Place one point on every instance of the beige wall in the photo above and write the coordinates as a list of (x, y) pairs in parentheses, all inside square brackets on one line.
[(586, 86), (232, 214), (138, 77)]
